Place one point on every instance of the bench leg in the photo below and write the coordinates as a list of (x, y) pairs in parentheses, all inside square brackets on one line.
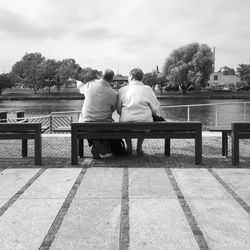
[(167, 147), (235, 148), (198, 147), (224, 144), (24, 148), (74, 149), (38, 150), (81, 148)]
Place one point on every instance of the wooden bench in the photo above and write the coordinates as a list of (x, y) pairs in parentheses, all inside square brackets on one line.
[(164, 130), (24, 131), (240, 130), (226, 132)]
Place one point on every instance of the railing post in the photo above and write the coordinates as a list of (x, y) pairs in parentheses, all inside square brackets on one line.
[(188, 113), (50, 123), (244, 111), (216, 115)]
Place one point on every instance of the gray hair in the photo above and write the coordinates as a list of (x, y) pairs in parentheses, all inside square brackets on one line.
[(136, 74)]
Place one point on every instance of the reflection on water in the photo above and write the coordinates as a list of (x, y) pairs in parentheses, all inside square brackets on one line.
[(205, 114), (41, 107)]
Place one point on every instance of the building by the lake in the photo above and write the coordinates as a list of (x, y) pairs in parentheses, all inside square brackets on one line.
[(119, 81), (219, 81)]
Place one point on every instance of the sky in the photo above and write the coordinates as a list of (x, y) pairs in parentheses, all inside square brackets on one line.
[(123, 34)]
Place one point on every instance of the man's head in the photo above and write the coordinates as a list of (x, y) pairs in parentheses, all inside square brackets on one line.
[(136, 74), (108, 75)]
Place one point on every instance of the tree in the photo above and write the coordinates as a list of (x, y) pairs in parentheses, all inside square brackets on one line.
[(88, 74), (244, 72), (162, 82), (14, 78), (30, 71), (150, 79), (188, 65), (153, 79), (227, 71), (67, 69), (49, 68), (5, 82)]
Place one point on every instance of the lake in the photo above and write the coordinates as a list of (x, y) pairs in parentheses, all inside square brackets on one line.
[(205, 114)]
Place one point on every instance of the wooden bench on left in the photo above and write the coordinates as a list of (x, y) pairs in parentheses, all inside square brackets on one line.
[(24, 131)]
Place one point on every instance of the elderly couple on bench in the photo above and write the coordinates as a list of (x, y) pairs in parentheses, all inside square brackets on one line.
[(134, 102)]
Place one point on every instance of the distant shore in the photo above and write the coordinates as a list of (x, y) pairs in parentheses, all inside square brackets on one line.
[(72, 94)]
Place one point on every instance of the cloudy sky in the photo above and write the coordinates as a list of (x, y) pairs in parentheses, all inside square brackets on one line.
[(122, 34)]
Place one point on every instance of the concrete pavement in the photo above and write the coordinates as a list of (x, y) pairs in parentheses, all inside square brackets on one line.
[(149, 202), (121, 208)]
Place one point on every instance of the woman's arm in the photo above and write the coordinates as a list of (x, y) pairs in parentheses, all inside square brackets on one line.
[(119, 104), (154, 103)]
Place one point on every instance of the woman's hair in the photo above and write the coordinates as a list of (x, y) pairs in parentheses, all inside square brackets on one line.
[(136, 74)]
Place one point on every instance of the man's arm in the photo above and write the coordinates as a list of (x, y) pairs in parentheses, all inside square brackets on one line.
[(80, 86)]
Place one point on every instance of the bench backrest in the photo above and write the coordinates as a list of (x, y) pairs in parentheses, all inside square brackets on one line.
[(126, 126)]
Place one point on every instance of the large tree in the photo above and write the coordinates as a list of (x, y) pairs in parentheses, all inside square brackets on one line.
[(49, 69), (5, 82), (88, 74), (150, 79), (30, 71), (68, 68), (188, 65), (244, 72), (153, 79)]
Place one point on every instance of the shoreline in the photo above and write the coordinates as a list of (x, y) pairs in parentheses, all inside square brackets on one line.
[(79, 97)]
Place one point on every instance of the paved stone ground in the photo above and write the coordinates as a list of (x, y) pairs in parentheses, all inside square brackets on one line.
[(56, 153), (149, 202)]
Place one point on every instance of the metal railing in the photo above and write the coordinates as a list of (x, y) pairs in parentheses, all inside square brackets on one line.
[(216, 106), (57, 119)]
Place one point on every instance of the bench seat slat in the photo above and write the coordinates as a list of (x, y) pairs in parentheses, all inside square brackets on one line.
[(171, 126), (151, 135), (12, 136), (244, 135), (12, 127)]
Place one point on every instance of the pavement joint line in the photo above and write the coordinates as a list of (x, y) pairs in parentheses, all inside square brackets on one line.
[(124, 224), (239, 200), (198, 235), (50, 236), (17, 195)]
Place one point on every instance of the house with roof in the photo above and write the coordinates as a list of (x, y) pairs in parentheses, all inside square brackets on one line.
[(219, 81)]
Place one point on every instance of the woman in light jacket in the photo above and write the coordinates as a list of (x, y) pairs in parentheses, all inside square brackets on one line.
[(136, 103)]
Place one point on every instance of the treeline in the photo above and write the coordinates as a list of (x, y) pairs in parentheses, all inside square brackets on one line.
[(189, 65), (36, 72)]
